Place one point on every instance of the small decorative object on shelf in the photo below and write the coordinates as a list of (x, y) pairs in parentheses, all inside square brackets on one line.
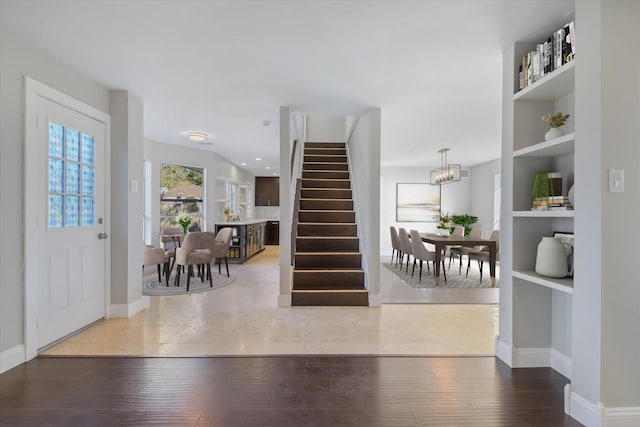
[(229, 213), (570, 195), (184, 220), (551, 258), (555, 121), (540, 192)]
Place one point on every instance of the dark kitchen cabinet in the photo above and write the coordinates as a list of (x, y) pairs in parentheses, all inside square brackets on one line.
[(273, 232), (267, 191)]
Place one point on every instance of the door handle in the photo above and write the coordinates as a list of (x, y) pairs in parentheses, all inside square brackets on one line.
[(102, 236)]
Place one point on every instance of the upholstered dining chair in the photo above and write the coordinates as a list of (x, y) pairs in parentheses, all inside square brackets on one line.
[(220, 248), (421, 253), (405, 247), (457, 231), (463, 250), (394, 244), (170, 240), (195, 250), (157, 256), (482, 255)]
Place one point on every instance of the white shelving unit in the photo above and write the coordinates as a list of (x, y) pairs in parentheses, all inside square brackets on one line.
[(539, 324)]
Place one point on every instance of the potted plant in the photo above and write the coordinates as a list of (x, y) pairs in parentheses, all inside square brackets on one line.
[(444, 224), (555, 121), (229, 213), (184, 220), (466, 221)]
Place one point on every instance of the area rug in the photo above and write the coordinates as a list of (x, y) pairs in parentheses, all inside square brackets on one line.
[(454, 280), (152, 287)]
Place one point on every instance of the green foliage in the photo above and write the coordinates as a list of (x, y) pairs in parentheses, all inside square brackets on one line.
[(176, 176), (556, 120), (466, 221)]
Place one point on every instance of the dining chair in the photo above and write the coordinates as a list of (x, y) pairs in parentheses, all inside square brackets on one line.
[(482, 255), (156, 256), (170, 240), (405, 247), (394, 244), (220, 248), (475, 233), (421, 253), (457, 231), (195, 250)]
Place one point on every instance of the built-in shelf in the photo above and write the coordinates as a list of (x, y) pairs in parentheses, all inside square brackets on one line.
[(543, 214), (563, 285), (221, 200), (552, 86), (552, 148)]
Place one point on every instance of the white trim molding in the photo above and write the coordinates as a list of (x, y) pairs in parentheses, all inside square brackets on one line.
[(128, 310), (621, 417), (560, 362), (284, 300), (504, 351), (589, 414), (375, 300), (531, 357), (11, 358)]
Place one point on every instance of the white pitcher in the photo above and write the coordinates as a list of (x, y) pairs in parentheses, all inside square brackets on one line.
[(551, 259)]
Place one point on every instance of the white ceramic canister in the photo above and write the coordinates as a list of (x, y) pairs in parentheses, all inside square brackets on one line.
[(551, 259)]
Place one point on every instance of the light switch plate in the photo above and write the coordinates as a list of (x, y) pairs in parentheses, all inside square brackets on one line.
[(134, 186), (616, 180)]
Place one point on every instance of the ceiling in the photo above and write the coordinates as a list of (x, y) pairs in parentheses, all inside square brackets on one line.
[(224, 67)]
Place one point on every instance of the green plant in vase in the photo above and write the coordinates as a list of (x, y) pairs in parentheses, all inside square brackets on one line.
[(556, 121), (466, 221), (185, 221)]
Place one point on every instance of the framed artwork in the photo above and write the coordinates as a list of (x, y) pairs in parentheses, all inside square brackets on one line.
[(417, 202), (567, 240)]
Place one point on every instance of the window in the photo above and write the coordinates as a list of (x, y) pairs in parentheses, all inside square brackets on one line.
[(181, 192), (72, 178)]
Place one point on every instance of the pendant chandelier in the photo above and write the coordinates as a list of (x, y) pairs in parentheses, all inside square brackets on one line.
[(447, 172)]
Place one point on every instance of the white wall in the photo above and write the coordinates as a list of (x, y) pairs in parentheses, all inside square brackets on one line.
[(326, 128), (454, 198), (364, 155), (482, 188), (620, 233), (19, 59), (215, 166)]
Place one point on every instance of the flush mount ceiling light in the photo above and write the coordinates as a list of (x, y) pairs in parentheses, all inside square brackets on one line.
[(197, 136), (447, 172)]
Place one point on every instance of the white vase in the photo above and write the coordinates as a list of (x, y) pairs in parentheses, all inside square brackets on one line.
[(571, 196), (553, 133), (443, 232), (551, 259)]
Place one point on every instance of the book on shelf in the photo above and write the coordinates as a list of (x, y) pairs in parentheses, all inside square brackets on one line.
[(557, 50)]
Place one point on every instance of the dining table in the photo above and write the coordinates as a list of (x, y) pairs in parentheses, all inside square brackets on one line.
[(440, 243)]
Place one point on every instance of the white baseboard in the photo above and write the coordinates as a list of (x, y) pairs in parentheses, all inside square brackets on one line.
[(531, 357), (589, 414), (621, 417), (128, 310), (11, 358), (284, 300), (561, 363), (504, 351), (375, 300)]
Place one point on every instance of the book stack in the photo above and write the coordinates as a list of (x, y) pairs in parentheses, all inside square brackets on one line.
[(552, 203), (557, 50)]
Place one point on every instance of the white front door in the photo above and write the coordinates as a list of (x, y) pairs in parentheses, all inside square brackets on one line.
[(67, 205)]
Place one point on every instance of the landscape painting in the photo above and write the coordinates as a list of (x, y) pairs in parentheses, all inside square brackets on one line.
[(417, 202)]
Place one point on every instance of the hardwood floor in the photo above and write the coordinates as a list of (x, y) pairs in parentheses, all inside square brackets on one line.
[(281, 391)]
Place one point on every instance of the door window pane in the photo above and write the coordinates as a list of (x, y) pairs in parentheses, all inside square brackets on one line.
[(71, 175)]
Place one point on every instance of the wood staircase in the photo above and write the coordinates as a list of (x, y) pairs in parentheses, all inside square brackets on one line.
[(328, 263)]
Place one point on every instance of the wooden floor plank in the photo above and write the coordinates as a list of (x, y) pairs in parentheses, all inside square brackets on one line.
[(281, 391)]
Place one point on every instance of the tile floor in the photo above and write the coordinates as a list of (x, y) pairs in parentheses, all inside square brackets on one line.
[(244, 319)]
